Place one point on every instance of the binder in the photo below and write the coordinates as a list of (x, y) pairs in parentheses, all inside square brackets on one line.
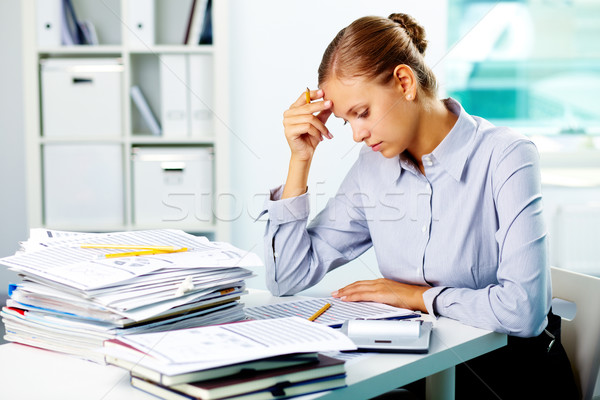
[(48, 22), (206, 33), (261, 384), (89, 32), (144, 108), (197, 22), (174, 95), (188, 28), (71, 32), (201, 95), (140, 23)]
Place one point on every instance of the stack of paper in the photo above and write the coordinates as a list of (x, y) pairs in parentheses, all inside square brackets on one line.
[(232, 360), (72, 299)]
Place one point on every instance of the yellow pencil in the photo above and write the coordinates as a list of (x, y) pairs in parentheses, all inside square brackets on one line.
[(144, 253), (318, 313), (307, 96), (128, 247)]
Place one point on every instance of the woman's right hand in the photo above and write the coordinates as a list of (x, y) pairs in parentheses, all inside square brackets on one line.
[(305, 125)]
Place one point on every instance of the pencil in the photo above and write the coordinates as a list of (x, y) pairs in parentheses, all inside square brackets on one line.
[(128, 247), (321, 311), (144, 253), (307, 96)]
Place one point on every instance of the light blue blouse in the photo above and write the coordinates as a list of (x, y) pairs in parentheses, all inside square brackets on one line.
[(471, 228)]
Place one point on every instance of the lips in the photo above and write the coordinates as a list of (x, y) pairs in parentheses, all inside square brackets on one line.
[(376, 147)]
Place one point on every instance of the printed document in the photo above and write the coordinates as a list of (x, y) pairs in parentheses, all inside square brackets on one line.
[(212, 346), (335, 315), (86, 269)]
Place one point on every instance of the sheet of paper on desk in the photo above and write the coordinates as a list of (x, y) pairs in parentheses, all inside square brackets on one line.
[(335, 315), (40, 239), (212, 346)]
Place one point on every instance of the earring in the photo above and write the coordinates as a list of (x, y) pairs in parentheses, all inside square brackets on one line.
[(409, 97)]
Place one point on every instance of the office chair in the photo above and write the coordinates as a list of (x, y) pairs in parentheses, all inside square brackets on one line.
[(580, 329)]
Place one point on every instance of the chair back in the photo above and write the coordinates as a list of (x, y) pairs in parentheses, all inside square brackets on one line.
[(581, 334)]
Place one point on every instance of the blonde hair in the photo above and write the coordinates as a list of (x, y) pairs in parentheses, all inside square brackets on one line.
[(372, 47)]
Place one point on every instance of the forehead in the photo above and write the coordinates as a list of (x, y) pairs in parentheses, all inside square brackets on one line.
[(335, 88), (345, 93)]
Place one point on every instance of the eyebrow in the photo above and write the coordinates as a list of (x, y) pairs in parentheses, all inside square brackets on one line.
[(347, 112), (352, 108)]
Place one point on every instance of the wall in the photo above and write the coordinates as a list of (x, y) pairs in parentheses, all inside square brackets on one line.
[(571, 192), (13, 220), (276, 48)]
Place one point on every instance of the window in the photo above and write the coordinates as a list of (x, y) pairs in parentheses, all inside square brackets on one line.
[(529, 64)]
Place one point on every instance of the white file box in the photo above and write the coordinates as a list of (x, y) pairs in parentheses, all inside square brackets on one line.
[(140, 14), (172, 186), (48, 22), (201, 95), (81, 97), (83, 185), (175, 108)]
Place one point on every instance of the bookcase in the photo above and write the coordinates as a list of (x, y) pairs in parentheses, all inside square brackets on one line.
[(102, 175)]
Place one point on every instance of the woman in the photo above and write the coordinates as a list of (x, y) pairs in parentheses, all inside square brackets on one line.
[(451, 204)]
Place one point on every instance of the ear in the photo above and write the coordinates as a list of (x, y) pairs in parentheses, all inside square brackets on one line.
[(405, 81)]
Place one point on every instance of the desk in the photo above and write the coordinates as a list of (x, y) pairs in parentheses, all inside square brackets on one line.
[(29, 374)]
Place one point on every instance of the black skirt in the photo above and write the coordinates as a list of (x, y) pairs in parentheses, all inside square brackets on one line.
[(526, 368)]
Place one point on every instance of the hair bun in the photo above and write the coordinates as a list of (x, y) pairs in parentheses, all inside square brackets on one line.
[(415, 31)]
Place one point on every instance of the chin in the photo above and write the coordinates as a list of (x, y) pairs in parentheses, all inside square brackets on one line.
[(389, 154)]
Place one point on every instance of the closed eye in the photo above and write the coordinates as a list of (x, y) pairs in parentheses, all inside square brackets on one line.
[(364, 114)]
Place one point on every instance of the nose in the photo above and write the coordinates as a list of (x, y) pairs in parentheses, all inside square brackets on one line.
[(360, 133)]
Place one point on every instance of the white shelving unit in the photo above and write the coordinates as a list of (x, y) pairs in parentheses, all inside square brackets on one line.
[(140, 67)]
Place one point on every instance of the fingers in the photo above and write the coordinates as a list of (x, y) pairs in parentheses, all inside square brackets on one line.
[(385, 291), (303, 117), (311, 108), (298, 131), (304, 124), (310, 123), (378, 290), (324, 115), (363, 295), (358, 290), (314, 95), (323, 109)]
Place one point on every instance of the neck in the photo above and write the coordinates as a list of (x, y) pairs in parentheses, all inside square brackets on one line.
[(435, 122)]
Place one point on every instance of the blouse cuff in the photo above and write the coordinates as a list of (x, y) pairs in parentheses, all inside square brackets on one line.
[(429, 297), (286, 210)]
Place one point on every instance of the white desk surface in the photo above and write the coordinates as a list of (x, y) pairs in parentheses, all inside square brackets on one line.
[(28, 373)]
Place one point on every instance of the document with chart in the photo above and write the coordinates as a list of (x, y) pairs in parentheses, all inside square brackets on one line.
[(336, 314)]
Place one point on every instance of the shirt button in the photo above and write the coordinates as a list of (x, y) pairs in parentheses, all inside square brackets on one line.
[(424, 228), (275, 255)]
